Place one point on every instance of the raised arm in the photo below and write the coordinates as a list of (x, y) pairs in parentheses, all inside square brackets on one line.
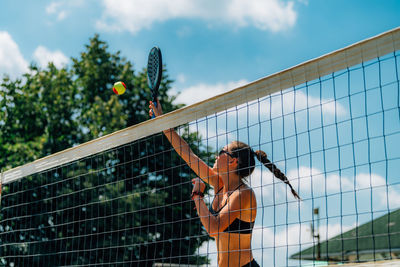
[(182, 148)]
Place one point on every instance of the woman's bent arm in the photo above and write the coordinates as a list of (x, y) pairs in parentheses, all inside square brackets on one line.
[(182, 148), (217, 224), (194, 162)]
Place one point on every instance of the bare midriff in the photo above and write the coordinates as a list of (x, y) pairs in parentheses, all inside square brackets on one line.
[(233, 249)]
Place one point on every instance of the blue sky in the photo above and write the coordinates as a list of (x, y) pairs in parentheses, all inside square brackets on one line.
[(216, 46), (210, 47)]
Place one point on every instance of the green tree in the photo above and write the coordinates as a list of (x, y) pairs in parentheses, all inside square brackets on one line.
[(36, 116), (130, 205)]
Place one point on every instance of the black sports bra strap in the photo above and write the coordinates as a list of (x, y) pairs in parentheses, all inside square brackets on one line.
[(219, 190), (229, 193)]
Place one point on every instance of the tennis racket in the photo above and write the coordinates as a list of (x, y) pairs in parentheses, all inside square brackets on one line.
[(154, 72)]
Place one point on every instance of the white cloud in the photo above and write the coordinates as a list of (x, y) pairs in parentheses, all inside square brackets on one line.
[(393, 198), (307, 180), (43, 56), (295, 234), (366, 181), (11, 60), (203, 91), (297, 100), (271, 235), (288, 103), (311, 179), (14, 64), (61, 9), (226, 128), (55, 9), (290, 237), (181, 78), (135, 15), (265, 15), (286, 241), (52, 7), (62, 15), (209, 249)]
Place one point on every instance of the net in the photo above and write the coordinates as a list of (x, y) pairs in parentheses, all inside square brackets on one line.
[(331, 125)]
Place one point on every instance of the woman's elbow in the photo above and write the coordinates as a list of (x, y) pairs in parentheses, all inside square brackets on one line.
[(214, 232), (213, 235)]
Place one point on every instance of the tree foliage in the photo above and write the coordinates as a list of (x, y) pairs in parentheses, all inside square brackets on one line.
[(129, 205)]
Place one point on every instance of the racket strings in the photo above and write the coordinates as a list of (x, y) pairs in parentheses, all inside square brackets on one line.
[(153, 68)]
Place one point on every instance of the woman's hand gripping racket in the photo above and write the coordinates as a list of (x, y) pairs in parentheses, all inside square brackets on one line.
[(154, 73)]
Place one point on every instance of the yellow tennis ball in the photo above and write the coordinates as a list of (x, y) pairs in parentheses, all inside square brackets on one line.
[(119, 88)]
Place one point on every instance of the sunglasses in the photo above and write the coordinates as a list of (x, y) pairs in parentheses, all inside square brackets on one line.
[(226, 152)]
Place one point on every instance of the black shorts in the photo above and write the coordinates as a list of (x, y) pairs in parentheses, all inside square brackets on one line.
[(253, 263)]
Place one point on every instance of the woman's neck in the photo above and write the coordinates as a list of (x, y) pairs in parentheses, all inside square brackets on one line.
[(231, 182)]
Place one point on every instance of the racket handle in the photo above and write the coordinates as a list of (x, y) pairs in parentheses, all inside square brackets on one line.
[(155, 104)]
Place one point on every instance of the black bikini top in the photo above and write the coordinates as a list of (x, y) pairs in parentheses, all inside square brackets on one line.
[(237, 226)]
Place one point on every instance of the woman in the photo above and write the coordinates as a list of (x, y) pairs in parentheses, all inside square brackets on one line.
[(230, 218)]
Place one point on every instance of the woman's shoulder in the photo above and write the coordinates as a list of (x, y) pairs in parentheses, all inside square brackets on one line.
[(243, 198), (248, 197), (244, 192)]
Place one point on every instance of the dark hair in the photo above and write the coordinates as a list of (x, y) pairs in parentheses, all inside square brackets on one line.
[(246, 163)]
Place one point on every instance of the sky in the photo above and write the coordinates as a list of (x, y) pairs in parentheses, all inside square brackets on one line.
[(210, 47)]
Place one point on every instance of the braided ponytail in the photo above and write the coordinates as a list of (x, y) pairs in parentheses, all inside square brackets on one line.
[(262, 157), (246, 163)]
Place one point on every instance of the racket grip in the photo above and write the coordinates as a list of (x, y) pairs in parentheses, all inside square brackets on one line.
[(155, 104)]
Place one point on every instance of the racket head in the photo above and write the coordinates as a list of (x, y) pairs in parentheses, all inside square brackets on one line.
[(154, 70)]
